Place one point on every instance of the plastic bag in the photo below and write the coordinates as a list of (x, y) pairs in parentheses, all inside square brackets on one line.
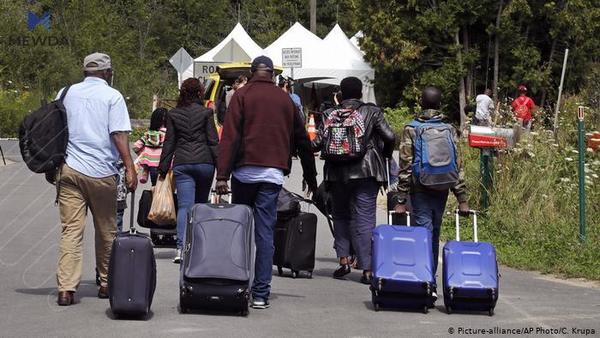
[(163, 209)]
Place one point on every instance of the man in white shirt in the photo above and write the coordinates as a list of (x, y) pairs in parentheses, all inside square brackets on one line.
[(99, 125), (485, 105)]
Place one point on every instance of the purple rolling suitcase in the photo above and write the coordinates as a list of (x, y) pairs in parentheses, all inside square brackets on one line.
[(470, 273), (402, 266)]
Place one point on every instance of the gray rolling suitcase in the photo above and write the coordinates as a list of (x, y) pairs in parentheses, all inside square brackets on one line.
[(131, 272), (218, 258)]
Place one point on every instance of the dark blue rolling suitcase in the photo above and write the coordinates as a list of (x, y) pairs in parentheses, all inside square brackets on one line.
[(402, 266), (131, 272), (470, 273)]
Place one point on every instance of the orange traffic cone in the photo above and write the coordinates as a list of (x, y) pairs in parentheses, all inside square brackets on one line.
[(312, 128)]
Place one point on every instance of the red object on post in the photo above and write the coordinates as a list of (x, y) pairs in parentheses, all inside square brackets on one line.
[(487, 141), (594, 141)]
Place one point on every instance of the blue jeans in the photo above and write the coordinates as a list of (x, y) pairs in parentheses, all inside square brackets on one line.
[(262, 198), (354, 205), (153, 171), (193, 183), (120, 213), (428, 211)]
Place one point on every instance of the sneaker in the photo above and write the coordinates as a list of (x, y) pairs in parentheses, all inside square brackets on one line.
[(432, 300), (177, 259), (259, 303)]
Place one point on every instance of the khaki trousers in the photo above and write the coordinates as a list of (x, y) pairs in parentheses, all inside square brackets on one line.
[(79, 192)]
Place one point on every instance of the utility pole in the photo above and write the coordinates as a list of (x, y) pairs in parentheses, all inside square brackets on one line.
[(313, 16)]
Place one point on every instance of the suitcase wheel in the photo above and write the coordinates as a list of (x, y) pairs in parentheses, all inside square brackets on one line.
[(376, 307), (309, 276), (425, 309), (491, 312), (294, 274), (244, 312), (448, 309), (279, 271), (182, 309)]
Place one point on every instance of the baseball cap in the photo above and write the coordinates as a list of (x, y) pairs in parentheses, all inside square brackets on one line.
[(96, 61), (265, 60)]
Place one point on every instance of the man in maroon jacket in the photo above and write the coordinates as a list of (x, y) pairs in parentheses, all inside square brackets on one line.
[(261, 129)]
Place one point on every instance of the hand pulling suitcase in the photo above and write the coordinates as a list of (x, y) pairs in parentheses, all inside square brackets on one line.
[(295, 241), (402, 266), (470, 273), (218, 258), (131, 272)]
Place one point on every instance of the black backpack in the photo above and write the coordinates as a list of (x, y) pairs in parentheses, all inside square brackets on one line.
[(43, 137)]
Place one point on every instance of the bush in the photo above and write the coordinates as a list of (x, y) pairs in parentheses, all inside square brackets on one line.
[(397, 118), (533, 217), (14, 105)]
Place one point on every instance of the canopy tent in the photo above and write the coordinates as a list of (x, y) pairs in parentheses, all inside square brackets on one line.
[(325, 61), (312, 58), (352, 63), (238, 46), (355, 39)]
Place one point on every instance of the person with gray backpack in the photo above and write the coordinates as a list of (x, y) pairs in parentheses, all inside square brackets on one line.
[(430, 168)]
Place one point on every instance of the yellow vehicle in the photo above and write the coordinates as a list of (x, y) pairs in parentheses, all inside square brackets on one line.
[(217, 85)]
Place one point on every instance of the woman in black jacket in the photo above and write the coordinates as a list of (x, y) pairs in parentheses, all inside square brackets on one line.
[(192, 139)]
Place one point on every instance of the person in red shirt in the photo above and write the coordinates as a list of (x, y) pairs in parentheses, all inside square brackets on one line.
[(523, 107)]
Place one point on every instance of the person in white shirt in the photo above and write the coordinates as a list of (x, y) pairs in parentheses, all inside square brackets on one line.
[(485, 105), (99, 125)]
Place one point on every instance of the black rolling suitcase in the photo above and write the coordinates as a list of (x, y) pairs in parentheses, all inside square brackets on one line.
[(131, 272), (295, 240), (218, 258)]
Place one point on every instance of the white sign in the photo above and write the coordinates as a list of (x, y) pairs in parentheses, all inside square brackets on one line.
[(181, 60), (202, 69), (291, 57)]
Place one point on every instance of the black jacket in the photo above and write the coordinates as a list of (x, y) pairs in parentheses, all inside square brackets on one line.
[(191, 137), (381, 141)]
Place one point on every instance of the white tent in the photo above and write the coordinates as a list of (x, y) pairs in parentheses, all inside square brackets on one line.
[(355, 39), (312, 52), (350, 61), (238, 46), (325, 61)]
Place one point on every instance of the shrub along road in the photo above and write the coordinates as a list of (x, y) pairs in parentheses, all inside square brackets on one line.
[(29, 233)]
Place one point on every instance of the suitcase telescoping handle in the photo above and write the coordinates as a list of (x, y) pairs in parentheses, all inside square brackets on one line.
[(457, 217), (131, 213), (392, 212)]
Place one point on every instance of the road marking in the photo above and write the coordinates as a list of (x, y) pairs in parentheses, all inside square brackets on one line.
[(51, 231), (34, 263)]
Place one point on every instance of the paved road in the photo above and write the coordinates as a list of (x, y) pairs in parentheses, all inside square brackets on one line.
[(322, 307)]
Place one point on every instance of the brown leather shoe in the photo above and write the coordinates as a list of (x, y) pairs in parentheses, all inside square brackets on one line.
[(103, 292), (66, 298)]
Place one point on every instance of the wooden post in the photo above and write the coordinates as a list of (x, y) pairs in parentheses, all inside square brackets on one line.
[(313, 16)]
